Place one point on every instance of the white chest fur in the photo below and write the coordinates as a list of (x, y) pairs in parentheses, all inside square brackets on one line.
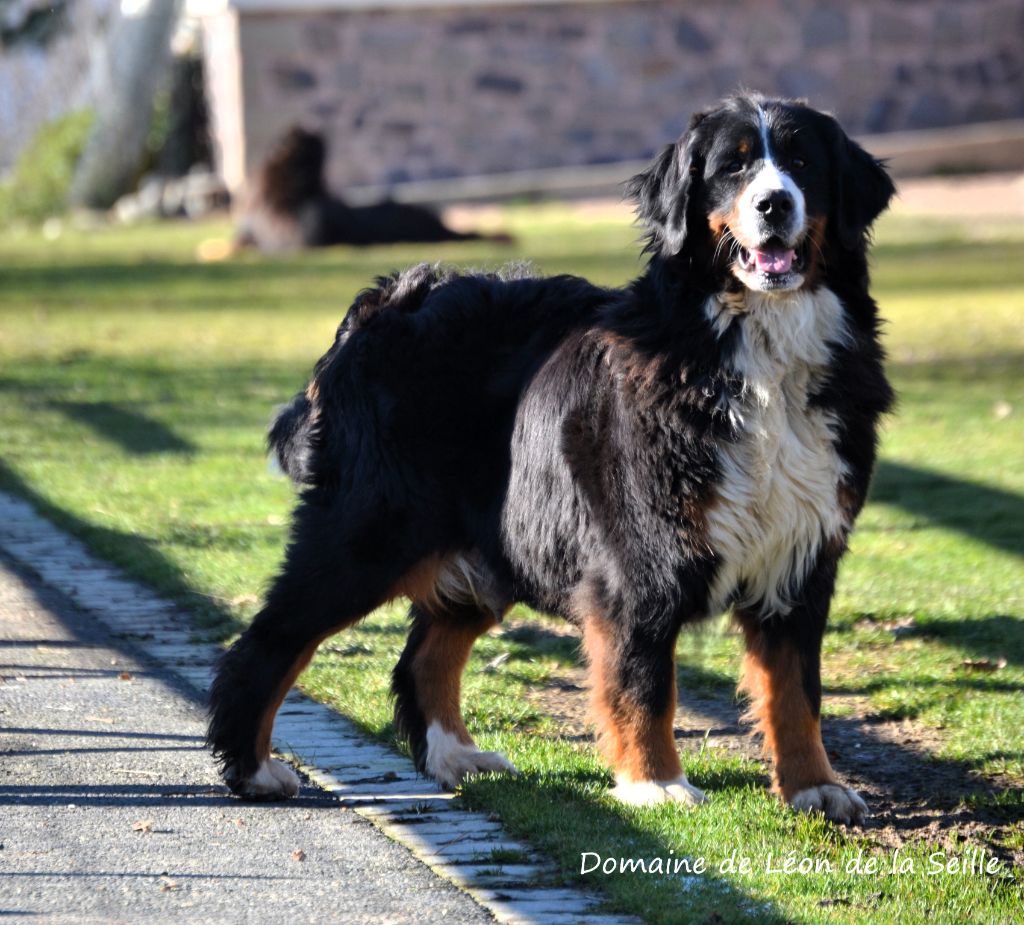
[(778, 497)]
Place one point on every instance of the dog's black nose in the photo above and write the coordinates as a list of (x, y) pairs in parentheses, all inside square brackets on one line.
[(775, 205)]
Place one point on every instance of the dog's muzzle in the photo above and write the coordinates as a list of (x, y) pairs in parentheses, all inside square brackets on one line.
[(772, 235)]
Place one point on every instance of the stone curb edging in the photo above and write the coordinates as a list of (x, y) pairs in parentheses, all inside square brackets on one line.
[(470, 849)]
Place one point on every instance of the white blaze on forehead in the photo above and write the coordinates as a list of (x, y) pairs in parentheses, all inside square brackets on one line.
[(768, 179)]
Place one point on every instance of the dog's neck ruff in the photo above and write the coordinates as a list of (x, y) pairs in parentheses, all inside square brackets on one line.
[(781, 330), (778, 496)]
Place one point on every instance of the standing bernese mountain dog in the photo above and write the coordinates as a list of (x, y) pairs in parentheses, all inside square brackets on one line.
[(632, 459)]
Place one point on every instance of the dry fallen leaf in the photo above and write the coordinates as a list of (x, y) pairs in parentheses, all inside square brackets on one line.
[(983, 664), (900, 627), (348, 651), (495, 663), (143, 825), (125, 676), (298, 855)]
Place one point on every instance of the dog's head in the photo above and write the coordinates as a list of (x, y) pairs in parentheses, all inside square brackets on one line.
[(758, 189), (293, 171)]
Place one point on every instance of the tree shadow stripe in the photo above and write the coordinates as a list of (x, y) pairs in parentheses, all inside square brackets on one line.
[(129, 428)]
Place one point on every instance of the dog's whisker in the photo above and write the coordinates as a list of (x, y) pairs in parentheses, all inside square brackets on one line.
[(726, 237), (821, 253)]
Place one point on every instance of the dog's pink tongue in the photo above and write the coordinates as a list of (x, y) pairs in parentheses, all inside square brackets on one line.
[(774, 261)]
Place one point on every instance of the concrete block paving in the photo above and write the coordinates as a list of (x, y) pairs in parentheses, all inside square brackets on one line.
[(378, 784)]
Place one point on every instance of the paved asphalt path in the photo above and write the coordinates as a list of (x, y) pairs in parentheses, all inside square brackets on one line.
[(111, 810)]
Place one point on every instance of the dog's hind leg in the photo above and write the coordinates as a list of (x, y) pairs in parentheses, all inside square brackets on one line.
[(633, 702), (426, 686), (252, 679), (328, 582)]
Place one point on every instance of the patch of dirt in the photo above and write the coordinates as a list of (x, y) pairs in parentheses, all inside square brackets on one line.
[(913, 795), (989, 194), (986, 194)]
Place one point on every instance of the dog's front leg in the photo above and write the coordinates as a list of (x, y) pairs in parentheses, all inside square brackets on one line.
[(633, 702), (782, 675)]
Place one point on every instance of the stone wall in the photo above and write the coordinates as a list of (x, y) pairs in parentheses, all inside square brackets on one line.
[(42, 82), (419, 93)]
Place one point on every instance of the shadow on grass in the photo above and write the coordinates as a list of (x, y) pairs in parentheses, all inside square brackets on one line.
[(235, 394), (130, 429), (554, 812), (536, 640), (618, 836), (242, 282), (136, 554), (964, 683), (992, 637), (70, 279), (994, 516), (970, 262), (907, 785), (911, 791)]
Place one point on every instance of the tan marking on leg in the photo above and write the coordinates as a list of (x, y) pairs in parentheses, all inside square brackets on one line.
[(639, 745), (266, 726), (420, 584), (439, 583), (649, 747), (602, 710), (437, 670), (419, 581), (773, 678)]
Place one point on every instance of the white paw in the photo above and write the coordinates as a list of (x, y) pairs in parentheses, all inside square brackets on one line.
[(649, 792), (273, 780), (450, 761), (838, 803)]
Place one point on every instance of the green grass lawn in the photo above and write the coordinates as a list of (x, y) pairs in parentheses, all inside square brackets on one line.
[(135, 387)]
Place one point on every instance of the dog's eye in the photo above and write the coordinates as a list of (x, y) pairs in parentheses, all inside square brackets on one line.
[(734, 166), (798, 163)]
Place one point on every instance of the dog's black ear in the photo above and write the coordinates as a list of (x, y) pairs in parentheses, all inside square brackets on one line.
[(662, 193), (863, 188)]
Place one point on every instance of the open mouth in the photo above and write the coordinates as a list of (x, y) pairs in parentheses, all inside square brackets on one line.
[(772, 261)]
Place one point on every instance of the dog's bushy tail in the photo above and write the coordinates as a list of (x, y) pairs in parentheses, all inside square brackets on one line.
[(290, 438), (295, 433)]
